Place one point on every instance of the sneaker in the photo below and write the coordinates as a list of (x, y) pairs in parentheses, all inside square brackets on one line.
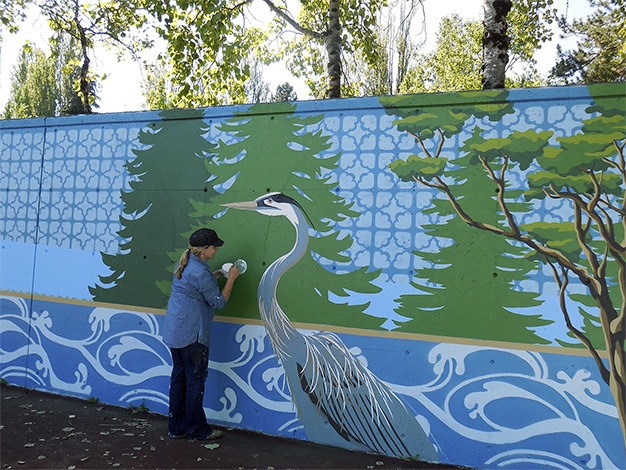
[(214, 434)]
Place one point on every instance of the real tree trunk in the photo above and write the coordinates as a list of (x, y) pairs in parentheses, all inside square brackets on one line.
[(332, 42), (495, 43)]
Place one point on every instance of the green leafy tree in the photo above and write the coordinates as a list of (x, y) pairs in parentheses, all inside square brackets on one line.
[(66, 58), (395, 43), (43, 85), (156, 220), (284, 92), (474, 270), (12, 12), (33, 86), (327, 31), (88, 22), (587, 171), (256, 88), (209, 42), (600, 55), (454, 65), (248, 164), (457, 60)]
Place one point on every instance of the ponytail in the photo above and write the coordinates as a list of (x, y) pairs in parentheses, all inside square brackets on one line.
[(184, 259)]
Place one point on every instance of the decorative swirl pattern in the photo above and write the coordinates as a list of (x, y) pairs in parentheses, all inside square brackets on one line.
[(463, 395)]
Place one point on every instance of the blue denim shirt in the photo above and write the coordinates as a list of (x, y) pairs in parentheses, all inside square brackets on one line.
[(193, 301)]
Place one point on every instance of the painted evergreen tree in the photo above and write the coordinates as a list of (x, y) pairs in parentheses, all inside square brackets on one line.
[(273, 150), (475, 274), (166, 175), (470, 287)]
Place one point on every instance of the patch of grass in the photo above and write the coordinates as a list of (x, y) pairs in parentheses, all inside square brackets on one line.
[(139, 409), (93, 400)]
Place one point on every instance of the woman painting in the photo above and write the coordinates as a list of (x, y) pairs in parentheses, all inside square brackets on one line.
[(195, 297)]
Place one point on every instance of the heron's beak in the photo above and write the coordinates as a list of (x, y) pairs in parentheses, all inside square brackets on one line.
[(246, 206)]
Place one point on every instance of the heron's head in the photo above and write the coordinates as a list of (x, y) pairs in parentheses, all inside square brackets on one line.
[(272, 204)]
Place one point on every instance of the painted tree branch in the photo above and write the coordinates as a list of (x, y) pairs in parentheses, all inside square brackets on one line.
[(611, 319), (562, 284)]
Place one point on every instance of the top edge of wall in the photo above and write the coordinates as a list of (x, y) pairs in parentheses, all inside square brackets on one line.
[(328, 106)]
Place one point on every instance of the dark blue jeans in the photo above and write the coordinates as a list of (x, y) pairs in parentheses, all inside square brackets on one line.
[(190, 366)]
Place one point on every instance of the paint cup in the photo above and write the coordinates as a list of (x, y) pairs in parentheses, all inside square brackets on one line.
[(241, 265)]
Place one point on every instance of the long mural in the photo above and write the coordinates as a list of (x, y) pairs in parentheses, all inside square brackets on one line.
[(438, 277)]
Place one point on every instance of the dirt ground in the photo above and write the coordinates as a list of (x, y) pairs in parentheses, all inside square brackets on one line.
[(42, 430)]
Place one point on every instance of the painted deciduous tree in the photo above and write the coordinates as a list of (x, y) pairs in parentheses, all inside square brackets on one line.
[(471, 268), (587, 173)]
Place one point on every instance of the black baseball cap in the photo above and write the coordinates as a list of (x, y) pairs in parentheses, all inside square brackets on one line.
[(205, 237)]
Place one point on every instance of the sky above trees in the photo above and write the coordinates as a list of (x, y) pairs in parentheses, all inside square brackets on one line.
[(121, 90)]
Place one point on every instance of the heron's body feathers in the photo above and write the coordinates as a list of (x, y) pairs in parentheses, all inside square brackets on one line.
[(338, 399)]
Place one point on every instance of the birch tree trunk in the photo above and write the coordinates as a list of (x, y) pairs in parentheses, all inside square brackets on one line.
[(332, 41), (495, 43)]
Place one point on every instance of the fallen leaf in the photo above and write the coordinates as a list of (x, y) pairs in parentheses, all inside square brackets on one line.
[(211, 446), (380, 463), (42, 457), (68, 429), (30, 444)]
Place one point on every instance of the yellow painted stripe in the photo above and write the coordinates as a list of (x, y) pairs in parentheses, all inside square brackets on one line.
[(335, 329)]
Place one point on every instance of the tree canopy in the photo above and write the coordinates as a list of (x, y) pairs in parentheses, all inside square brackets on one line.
[(600, 54), (43, 85)]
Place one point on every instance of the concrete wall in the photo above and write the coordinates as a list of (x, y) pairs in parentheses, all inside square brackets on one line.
[(449, 330)]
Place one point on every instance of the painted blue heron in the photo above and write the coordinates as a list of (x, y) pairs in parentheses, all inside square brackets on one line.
[(338, 400)]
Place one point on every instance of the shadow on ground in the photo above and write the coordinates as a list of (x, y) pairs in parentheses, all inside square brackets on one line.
[(42, 430)]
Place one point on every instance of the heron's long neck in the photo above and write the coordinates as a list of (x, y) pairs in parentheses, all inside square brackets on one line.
[(276, 322)]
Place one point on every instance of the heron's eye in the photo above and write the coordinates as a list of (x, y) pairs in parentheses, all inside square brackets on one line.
[(270, 200)]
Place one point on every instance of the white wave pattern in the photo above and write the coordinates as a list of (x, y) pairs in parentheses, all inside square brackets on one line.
[(112, 356), (456, 396), (480, 393)]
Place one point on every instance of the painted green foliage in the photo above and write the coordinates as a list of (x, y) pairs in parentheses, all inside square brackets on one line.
[(587, 165), (470, 292), (156, 214), (584, 242), (273, 150)]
